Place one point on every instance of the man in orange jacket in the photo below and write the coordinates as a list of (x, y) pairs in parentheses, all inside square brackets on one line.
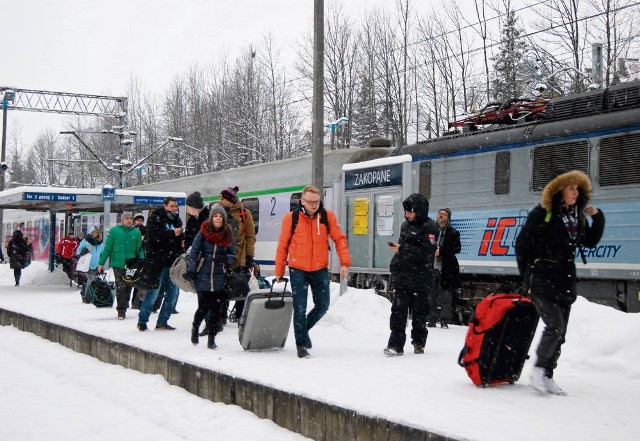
[(305, 248)]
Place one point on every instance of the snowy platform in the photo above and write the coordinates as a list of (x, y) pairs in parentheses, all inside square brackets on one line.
[(370, 396)]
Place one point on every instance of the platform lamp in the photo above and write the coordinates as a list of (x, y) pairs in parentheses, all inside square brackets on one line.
[(333, 126), (7, 97)]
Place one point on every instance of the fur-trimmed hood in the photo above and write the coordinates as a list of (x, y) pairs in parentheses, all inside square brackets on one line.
[(552, 193)]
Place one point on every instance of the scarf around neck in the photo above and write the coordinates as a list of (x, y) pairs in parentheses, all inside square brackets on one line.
[(216, 237)]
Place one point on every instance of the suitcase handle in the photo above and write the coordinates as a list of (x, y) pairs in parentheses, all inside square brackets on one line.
[(276, 303), (273, 302)]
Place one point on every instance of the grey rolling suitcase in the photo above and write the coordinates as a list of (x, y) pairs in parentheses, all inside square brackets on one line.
[(266, 317)]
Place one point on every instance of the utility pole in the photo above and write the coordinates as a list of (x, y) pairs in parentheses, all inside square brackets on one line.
[(7, 95), (317, 125)]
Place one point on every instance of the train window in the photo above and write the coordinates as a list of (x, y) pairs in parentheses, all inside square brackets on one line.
[(502, 172), (424, 185), (619, 160), (295, 201), (253, 205), (553, 159)]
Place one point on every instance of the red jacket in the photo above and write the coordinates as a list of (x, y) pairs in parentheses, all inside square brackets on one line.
[(308, 248), (66, 248)]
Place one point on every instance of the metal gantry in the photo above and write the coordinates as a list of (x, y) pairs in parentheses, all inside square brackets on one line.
[(66, 102)]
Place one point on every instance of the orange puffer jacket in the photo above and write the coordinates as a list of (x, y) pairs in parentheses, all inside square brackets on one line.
[(308, 249)]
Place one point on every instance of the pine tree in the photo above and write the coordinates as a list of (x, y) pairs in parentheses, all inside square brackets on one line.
[(363, 123), (508, 62)]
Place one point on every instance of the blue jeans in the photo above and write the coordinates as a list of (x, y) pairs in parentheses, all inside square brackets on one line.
[(300, 282), (171, 296)]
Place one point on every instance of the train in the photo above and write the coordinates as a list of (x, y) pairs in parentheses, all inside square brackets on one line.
[(488, 177)]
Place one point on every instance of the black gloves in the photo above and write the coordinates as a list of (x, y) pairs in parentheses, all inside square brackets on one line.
[(249, 261), (190, 276)]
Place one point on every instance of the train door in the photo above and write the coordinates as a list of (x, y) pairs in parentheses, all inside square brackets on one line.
[(373, 194), (373, 219), (329, 202)]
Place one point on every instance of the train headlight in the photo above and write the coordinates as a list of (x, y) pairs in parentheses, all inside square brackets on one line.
[(4, 166)]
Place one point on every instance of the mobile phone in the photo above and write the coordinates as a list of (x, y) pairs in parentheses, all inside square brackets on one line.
[(391, 244)]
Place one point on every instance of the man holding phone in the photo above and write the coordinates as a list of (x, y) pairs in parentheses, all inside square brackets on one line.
[(163, 243), (412, 275)]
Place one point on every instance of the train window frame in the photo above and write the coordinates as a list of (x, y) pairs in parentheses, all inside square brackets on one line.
[(549, 160), (253, 205), (294, 202), (502, 173), (425, 179), (619, 160)]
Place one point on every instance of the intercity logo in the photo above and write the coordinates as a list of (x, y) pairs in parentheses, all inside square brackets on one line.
[(499, 237)]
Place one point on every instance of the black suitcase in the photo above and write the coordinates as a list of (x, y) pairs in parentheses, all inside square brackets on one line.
[(266, 318), (498, 339)]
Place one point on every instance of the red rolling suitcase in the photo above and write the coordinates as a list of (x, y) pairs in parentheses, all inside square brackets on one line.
[(498, 339)]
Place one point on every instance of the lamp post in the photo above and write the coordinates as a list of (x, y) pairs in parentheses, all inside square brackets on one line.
[(333, 126), (8, 96)]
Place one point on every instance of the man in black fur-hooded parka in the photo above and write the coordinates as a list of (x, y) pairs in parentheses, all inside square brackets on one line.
[(545, 250)]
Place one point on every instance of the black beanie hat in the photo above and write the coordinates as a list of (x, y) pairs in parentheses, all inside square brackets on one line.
[(195, 200), (230, 194)]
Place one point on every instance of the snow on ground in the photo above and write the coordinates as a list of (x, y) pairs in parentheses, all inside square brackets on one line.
[(599, 369)]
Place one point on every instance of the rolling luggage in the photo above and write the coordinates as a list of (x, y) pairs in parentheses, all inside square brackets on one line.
[(266, 318), (498, 339)]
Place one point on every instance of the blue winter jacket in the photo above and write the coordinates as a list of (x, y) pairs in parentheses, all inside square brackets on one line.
[(95, 252), (209, 273)]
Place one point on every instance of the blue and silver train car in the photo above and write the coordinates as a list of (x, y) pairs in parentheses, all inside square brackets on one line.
[(490, 179)]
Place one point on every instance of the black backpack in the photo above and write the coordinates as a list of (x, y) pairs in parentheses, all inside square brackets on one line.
[(99, 292), (296, 214)]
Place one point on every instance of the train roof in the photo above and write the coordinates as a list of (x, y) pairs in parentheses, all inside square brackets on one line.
[(597, 112), (524, 135), (279, 174)]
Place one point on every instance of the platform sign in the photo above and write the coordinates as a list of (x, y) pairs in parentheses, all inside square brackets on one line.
[(52, 197), (108, 194), (382, 176), (148, 200)]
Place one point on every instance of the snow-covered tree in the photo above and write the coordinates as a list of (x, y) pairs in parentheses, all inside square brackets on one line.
[(508, 61)]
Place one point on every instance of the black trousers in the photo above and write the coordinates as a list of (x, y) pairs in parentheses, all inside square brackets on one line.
[(17, 273), (123, 292), (405, 300), (555, 317), (209, 307)]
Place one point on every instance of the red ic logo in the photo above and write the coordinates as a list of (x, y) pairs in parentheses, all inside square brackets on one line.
[(496, 235)]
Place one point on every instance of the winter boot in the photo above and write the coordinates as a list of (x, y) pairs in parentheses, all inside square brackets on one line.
[(392, 352), (205, 331), (552, 387), (194, 335), (302, 352), (538, 379), (211, 341), (418, 348)]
